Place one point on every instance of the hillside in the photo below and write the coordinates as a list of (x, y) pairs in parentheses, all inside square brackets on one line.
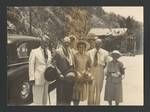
[(59, 21)]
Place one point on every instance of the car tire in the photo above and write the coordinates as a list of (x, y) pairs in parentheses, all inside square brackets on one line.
[(24, 93)]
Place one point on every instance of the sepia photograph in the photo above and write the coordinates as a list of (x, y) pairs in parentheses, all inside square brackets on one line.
[(75, 56)]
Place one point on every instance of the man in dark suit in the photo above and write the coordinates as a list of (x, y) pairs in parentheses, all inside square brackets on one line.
[(64, 62)]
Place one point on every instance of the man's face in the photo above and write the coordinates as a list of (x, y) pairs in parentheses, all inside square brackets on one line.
[(115, 56), (44, 43), (72, 43), (53, 52), (98, 45), (66, 44)]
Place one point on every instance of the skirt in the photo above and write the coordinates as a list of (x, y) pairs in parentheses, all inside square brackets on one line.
[(80, 91), (113, 91)]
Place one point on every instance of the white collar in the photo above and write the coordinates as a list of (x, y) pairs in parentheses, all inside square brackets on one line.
[(42, 48), (96, 50)]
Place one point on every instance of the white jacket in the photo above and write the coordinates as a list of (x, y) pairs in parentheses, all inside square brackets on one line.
[(38, 65), (103, 56)]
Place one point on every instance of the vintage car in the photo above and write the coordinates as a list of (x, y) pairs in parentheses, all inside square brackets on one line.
[(18, 87)]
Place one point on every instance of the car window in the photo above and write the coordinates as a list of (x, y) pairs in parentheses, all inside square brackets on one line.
[(11, 53), (22, 51), (18, 52)]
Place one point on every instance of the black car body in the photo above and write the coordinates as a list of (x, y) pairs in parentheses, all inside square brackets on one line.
[(18, 50)]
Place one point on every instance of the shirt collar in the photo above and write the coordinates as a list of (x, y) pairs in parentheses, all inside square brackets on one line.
[(42, 48), (96, 50)]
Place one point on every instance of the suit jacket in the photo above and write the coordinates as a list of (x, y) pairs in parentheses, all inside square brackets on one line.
[(103, 56), (63, 63), (38, 65)]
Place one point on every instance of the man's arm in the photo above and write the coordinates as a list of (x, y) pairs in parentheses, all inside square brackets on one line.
[(31, 66), (122, 68)]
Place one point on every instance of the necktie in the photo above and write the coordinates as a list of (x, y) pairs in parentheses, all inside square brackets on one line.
[(66, 52), (45, 54), (96, 58)]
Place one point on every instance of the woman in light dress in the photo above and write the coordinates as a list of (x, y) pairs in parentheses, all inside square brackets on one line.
[(82, 68)]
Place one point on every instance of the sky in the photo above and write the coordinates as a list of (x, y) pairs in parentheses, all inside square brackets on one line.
[(134, 11)]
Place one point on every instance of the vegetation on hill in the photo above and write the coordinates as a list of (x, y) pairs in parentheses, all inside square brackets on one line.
[(56, 22)]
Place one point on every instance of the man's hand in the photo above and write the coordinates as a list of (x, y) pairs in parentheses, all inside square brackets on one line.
[(54, 63), (91, 80), (32, 82), (123, 76), (61, 77)]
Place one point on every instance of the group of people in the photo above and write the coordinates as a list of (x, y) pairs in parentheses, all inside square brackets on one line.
[(81, 73)]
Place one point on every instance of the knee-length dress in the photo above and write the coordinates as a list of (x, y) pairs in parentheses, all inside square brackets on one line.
[(80, 90), (113, 87)]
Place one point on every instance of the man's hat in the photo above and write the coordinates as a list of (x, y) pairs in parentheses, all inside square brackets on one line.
[(66, 39), (98, 40), (51, 74)]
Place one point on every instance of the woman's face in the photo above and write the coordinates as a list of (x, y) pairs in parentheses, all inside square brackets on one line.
[(53, 52), (115, 56), (81, 48)]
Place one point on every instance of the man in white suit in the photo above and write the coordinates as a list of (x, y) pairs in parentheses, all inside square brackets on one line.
[(99, 58), (39, 60)]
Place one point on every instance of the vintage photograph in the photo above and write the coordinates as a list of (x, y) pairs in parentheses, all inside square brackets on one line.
[(75, 56)]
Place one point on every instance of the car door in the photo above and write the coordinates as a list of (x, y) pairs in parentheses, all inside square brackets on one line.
[(19, 90)]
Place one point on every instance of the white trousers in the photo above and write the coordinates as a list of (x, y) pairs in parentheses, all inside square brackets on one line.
[(40, 94)]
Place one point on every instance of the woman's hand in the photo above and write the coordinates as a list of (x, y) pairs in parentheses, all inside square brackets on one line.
[(32, 82), (116, 74), (78, 75), (89, 74), (91, 80)]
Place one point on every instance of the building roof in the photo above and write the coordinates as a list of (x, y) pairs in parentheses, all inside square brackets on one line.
[(107, 31)]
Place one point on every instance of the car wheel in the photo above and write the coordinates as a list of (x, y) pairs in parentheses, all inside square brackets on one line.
[(24, 93)]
